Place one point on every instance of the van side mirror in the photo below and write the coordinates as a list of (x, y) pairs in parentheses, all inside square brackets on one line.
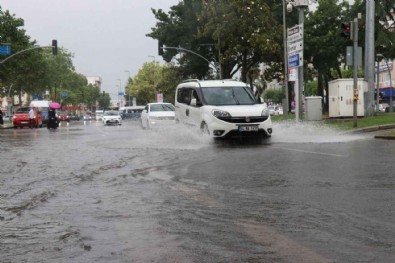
[(193, 102)]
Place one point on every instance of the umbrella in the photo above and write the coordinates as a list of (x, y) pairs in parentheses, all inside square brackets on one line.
[(54, 105)]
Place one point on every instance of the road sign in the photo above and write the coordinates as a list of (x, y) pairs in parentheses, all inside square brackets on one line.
[(5, 50), (121, 93), (295, 60), (295, 33), (295, 47)]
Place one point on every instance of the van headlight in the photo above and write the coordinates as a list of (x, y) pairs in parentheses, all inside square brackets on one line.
[(220, 114), (265, 112)]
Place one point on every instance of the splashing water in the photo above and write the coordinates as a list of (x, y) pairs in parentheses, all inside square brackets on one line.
[(310, 132)]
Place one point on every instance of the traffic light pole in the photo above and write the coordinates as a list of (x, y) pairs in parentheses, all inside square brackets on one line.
[(190, 51), (20, 52)]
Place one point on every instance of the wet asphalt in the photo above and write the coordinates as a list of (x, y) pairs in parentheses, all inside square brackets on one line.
[(93, 193)]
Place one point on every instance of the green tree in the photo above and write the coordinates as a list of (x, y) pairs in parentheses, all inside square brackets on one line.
[(104, 101), (249, 34), (152, 79)]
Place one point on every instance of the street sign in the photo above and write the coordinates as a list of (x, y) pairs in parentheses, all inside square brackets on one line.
[(295, 33), (121, 93), (295, 60), (293, 74), (5, 50), (295, 47)]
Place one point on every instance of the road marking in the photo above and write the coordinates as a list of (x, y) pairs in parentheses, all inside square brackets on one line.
[(282, 246), (311, 152)]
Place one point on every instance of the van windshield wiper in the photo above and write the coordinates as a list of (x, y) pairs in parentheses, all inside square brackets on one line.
[(234, 96)]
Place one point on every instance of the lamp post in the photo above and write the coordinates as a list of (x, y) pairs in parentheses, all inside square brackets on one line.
[(155, 70), (127, 71), (389, 73), (119, 90)]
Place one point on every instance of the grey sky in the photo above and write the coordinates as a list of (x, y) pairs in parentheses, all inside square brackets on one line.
[(106, 37)]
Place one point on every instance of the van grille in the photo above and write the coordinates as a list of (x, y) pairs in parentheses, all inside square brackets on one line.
[(246, 119)]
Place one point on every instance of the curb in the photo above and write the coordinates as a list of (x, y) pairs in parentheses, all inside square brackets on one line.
[(383, 137)]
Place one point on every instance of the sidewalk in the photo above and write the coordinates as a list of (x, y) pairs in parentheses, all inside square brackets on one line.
[(7, 125)]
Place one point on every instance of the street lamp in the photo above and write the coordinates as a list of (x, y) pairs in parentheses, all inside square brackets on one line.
[(154, 69), (389, 73), (119, 91), (127, 71)]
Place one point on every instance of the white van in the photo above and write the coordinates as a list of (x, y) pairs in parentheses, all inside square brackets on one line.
[(43, 107), (99, 115), (222, 108)]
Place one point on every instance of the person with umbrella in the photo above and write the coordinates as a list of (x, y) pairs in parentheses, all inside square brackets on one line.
[(52, 119)]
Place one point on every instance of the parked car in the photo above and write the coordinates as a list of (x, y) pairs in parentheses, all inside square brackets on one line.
[(112, 117), (157, 115), (222, 108), (21, 118), (63, 116)]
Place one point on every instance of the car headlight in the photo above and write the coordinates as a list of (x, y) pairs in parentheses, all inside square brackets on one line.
[(265, 112), (220, 114)]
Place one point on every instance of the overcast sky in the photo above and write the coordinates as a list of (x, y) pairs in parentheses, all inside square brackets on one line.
[(106, 37)]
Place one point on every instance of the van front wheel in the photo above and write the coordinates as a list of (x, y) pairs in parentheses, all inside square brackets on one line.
[(204, 129)]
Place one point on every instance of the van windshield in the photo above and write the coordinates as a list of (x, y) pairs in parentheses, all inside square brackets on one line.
[(228, 96)]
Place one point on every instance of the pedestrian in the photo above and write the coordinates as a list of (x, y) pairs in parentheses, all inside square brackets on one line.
[(52, 119), (1, 118), (31, 118)]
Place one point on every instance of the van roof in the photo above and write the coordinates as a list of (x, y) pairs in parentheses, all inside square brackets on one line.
[(39, 103), (213, 83)]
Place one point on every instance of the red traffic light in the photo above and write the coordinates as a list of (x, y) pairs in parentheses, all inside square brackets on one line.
[(346, 30)]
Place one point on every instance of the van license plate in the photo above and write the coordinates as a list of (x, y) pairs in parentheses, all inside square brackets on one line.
[(248, 128)]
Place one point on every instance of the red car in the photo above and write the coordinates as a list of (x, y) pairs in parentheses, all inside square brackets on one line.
[(63, 116), (21, 118)]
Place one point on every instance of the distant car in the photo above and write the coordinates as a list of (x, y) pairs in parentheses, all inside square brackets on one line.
[(383, 107), (272, 110), (74, 117), (21, 118), (280, 111), (63, 116), (6, 118), (112, 117), (157, 114), (87, 117)]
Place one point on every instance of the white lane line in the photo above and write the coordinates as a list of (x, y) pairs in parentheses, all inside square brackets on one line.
[(311, 152)]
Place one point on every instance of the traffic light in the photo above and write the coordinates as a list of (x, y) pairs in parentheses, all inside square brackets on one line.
[(346, 30), (54, 47), (160, 48)]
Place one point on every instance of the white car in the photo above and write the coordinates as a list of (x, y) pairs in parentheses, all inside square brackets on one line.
[(156, 115), (112, 117), (222, 108)]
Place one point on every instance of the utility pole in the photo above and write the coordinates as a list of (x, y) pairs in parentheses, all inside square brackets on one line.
[(369, 57), (354, 32)]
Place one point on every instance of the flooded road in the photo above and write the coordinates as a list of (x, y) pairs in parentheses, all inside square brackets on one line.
[(89, 193)]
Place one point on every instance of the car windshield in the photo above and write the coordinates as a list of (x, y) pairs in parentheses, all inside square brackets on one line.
[(161, 107), (23, 110), (111, 113), (228, 96)]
